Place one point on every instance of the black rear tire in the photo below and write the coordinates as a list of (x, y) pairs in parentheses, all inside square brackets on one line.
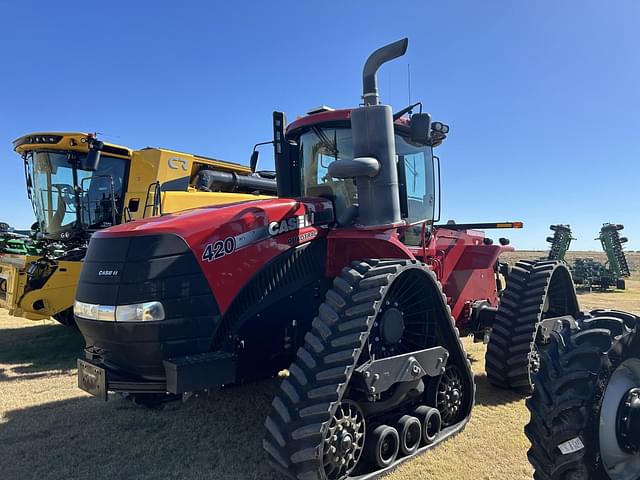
[(571, 413)]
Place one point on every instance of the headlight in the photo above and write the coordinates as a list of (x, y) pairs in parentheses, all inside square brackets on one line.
[(138, 312), (94, 312)]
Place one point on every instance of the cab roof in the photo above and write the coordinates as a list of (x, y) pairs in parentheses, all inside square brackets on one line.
[(329, 116)]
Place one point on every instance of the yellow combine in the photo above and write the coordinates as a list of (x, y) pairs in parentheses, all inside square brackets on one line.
[(77, 185)]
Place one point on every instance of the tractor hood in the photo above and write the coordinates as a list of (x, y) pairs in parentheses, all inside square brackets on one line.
[(250, 221), (230, 243)]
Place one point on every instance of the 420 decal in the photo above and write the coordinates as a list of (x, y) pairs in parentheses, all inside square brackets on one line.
[(219, 249)]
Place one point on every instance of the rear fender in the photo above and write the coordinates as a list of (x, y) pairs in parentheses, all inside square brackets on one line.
[(345, 245)]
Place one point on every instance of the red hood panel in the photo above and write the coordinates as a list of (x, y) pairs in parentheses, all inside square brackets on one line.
[(233, 242)]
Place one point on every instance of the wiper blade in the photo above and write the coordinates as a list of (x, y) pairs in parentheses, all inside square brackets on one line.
[(330, 145)]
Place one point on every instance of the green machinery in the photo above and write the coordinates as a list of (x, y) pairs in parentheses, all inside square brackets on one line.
[(560, 242), (19, 242), (589, 273)]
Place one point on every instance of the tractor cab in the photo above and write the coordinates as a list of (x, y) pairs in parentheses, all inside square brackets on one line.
[(375, 166), (324, 138)]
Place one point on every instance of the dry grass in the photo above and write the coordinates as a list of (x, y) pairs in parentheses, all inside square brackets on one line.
[(50, 430)]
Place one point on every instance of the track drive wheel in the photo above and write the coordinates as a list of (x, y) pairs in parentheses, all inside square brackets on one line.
[(585, 409), (66, 318), (536, 290), (376, 309)]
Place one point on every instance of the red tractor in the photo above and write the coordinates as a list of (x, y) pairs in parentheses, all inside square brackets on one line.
[(343, 285)]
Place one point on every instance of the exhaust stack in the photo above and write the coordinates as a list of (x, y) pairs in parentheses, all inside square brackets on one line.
[(374, 164), (374, 62)]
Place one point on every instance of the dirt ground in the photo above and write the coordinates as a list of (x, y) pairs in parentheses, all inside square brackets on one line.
[(49, 429)]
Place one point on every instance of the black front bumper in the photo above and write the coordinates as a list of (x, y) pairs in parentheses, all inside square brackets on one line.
[(184, 374)]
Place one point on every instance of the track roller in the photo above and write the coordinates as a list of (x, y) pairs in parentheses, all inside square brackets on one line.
[(410, 432), (431, 423), (535, 291), (382, 446), (585, 409)]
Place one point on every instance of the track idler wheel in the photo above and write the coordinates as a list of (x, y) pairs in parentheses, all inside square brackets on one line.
[(431, 423), (382, 446)]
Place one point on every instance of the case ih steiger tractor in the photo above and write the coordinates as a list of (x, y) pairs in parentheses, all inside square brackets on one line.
[(79, 185), (342, 285)]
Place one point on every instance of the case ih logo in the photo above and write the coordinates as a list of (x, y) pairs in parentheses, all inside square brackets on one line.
[(108, 273), (290, 224)]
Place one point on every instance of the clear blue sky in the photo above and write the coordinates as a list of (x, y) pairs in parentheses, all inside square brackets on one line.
[(543, 97)]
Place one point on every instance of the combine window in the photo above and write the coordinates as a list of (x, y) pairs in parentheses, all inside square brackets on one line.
[(58, 188)]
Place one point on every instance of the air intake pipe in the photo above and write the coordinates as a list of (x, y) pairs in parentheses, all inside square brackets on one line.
[(213, 180), (374, 164)]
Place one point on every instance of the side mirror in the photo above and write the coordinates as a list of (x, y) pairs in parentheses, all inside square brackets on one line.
[(420, 127), (253, 163), (92, 160)]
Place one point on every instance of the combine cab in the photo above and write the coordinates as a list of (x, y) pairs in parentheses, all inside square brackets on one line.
[(345, 286), (79, 185)]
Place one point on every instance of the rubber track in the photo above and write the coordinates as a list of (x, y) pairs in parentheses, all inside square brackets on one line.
[(517, 320), (322, 369), (564, 405)]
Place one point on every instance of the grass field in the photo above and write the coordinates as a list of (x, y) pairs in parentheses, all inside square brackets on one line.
[(51, 430)]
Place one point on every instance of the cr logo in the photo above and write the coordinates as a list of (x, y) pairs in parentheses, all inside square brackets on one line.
[(175, 163)]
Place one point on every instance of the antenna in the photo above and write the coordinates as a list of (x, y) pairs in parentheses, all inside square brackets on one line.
[(108, 135), (409, 81)]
